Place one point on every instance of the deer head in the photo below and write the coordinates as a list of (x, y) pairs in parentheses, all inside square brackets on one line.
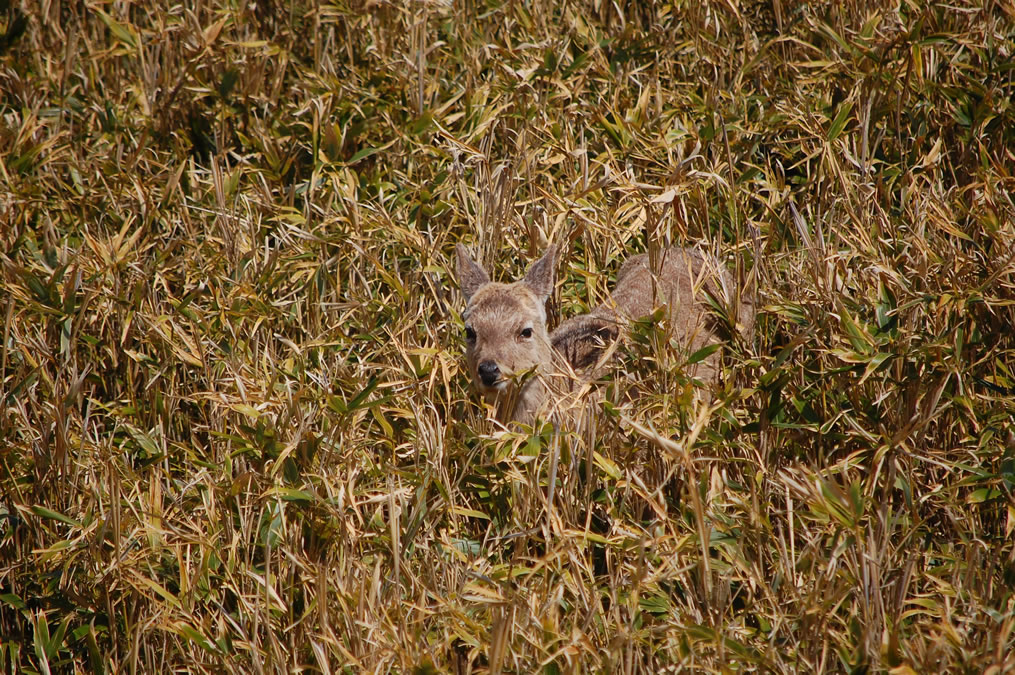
[(507, 344)]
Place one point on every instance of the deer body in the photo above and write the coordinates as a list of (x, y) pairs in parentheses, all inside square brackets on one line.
[(506, 331)]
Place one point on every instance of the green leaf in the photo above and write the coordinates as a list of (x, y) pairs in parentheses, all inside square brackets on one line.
[(470, 513), (363, 154), (146, 442), (121, 32), (159, 590), (702, 353), (195, 635), (874, 365), (94, 655), (360, 397), (608, 466), (43, 512), (595, 538), (41, 640), (654, 603), (858, 338), (831, 32), (983, 495), (748, 175), (291, 495), (56, 640), (841, 117), (271, 525), (38, 290), (867, 31)]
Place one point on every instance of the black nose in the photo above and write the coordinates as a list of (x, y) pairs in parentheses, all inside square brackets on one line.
[(489, 373)]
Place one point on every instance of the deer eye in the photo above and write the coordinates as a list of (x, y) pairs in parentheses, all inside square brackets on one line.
[(470, 334), (526, 333)]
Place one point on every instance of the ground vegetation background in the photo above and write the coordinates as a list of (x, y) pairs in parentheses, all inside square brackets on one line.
[(236, 434)]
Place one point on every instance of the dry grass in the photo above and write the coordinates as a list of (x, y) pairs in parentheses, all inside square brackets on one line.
[(236, 432)]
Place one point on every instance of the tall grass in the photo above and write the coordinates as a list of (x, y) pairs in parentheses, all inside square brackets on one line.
[(236, 434)]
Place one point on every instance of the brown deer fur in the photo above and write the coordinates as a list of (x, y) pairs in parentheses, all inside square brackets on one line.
[(521, 368)]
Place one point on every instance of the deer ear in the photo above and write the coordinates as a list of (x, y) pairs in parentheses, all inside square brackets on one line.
[(470, 275), (541, 275)]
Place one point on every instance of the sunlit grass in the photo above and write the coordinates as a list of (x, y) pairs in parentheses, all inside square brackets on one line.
[(236, 432)]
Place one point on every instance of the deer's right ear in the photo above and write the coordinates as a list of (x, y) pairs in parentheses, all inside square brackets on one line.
[(470, 275)]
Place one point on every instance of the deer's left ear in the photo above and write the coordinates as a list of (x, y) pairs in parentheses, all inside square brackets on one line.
[(540, 276)]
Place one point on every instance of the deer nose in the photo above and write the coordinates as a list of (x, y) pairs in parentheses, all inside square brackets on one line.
[(489, 373)]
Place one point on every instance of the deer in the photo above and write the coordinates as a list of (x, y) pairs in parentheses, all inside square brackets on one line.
[(525, 371)]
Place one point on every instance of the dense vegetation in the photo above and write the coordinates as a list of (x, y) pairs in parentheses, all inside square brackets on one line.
[(236, 433)]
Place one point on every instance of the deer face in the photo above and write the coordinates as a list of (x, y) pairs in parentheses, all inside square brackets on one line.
[(505, 324)]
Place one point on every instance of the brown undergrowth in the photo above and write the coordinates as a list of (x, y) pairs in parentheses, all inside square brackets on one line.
[(236, 433)]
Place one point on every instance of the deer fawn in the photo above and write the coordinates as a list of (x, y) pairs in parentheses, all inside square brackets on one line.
[(524, 370)]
